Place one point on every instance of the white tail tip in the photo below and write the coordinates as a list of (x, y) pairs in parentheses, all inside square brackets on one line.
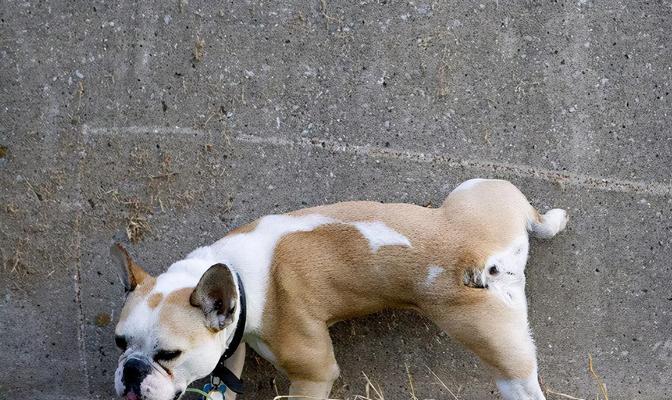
[(550, 224)]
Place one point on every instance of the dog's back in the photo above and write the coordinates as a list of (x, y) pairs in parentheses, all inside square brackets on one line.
[(412, 255)]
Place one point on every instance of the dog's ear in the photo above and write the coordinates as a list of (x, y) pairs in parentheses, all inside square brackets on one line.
[(216, 295), (130, 273)]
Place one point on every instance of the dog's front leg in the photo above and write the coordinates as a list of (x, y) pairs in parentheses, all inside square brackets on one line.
[(307, 357), (235, 364), (316, 390), (315, 376)]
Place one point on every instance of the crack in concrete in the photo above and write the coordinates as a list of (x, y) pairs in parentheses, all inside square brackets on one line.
[(81, 333), (509, 169)]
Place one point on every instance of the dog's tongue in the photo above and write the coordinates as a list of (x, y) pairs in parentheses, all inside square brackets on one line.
[(132, 396)]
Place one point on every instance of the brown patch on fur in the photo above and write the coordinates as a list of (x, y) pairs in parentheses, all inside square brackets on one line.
[(179, 297), (133, 272), (154, 300), (146, 287), (182, 319), (244, 228)]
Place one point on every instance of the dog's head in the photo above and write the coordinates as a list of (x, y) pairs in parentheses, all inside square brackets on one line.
[(173, 328)]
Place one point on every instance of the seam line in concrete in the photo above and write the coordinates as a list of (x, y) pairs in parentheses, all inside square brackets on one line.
[(517, 170), (509, 169), (81, 333)]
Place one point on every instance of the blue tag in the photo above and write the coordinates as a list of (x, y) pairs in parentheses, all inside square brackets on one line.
[(209, 388)]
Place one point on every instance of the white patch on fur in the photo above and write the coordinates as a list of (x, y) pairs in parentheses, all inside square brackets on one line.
[(521, 389), (433, 272), (167, 283), (509, 281), (157, 387), (551, 224), (139, 324), (250, 254), (466, 185), (378, 234), (118, 384), (262, 349)]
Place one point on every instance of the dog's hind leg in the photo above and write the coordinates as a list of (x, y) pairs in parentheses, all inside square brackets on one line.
[(498, 333)]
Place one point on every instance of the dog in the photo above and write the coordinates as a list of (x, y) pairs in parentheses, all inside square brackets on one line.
[(461, 265)]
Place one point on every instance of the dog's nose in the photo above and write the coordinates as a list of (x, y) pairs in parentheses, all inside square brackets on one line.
[(135, 371)]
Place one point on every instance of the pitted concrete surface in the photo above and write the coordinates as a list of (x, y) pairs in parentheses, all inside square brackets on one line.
[(177, 121)]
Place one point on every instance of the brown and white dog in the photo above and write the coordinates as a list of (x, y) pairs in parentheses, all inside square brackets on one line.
[(461, 265)]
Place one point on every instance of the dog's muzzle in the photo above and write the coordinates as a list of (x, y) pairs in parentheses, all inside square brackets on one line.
[(135, 371)]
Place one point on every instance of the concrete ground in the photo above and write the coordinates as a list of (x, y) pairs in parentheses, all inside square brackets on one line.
[(177, 121)]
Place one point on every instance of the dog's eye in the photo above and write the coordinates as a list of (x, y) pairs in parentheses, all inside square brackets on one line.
[(166, 355), (121, 342)]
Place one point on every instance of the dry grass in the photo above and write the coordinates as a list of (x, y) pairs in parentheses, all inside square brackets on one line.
[(199, 49), (327, 17), (410, 383), (136, 228), (598, 380), (137, 225), (75, 118), (15, 263), (548, 391), (442, 384), (157, 192), (41, 192), (601, 386), (377, 391), (374, 392), (11, 208)]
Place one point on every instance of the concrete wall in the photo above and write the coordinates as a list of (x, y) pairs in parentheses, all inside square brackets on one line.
[(182, 119)]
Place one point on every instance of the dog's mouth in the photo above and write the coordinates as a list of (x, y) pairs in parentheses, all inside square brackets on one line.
[(131, 396)]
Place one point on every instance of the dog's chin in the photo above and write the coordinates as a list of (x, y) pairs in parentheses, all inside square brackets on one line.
[(134, 396)]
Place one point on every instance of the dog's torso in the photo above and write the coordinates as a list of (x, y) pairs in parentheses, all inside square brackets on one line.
[(461, 265), (324, 264)]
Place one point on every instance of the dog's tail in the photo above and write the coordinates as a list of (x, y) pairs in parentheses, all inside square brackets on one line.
[(545, 226)]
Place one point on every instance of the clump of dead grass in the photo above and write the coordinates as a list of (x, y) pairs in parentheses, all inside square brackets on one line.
[(199, 50), (11, 208), (15, 263), (137, 226)]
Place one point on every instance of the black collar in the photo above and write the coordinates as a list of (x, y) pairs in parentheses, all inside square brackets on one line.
[(221, 371)]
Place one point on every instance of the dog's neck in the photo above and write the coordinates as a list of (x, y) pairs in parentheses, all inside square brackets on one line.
[(239, 323)]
